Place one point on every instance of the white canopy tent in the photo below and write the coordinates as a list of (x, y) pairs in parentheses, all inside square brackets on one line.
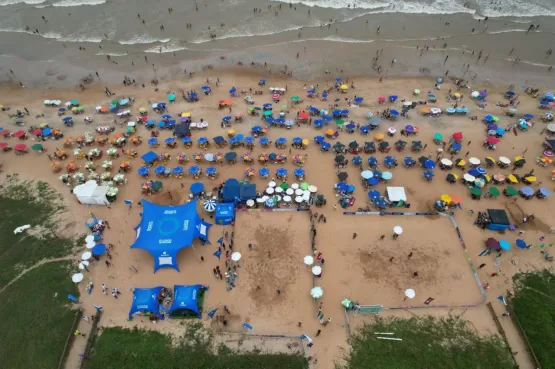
[(395, 194), (90, 193)]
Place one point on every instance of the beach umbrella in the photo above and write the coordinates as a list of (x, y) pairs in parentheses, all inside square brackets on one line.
[(374, 195), (505, 245), (510, 191), (171, 97), (521, 244), (387, 176), (410, 293), (476, 191), (527, 191), (37, 147), (77, 277), (445, 198), (374, 121), (143, 171), (373, 181), (317, 292), (493, 191), (196, 188), (160, 169), (210, 206), (428, 174), (177, 170), (429, 164), (366, 174), (86, 255), (194, 170), (308, 260), (312, 189), (99, 249), (236, 256), (83, 265), (397, 230), (372, 161), (317, 270), (493, 244), (545, 192)]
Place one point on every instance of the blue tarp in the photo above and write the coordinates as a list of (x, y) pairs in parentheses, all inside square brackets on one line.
[(145, 299), (225, 213), (185, 300), (165, 230)]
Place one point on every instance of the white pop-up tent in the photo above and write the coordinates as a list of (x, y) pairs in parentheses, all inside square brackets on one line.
[(90, 193), (396, 194)]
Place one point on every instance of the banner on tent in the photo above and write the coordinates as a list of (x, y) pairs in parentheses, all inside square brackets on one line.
[(275, 210), (368, 309)]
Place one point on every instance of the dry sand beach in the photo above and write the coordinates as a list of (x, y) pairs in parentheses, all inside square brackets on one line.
[(365, 269)]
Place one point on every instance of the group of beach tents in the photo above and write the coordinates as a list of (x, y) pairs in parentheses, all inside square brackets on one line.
[(186, 301)]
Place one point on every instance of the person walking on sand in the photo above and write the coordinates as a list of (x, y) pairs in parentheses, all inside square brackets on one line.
[(410, 255), (105, 289), (318, 332), (482, 265), (354, 236), (391, 259), (415, 274)]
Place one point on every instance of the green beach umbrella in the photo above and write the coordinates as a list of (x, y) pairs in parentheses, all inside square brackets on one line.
[(340, 122), (80, 108), (74, 102), (304, 186), (295, 98), (156, 186), (495, 119), (267, 113), (251, 108), (283, 107), (438, 136), (284, 185), (171, 97), (37, 147), (510, 191), (476, 191), (115, 102), (493, 191)]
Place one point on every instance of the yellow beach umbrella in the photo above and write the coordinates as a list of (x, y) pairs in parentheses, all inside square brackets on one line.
[(512, 178), (306, 141), (344, 87), (186, 115), (142, 110), (379, 136), (446, 198)]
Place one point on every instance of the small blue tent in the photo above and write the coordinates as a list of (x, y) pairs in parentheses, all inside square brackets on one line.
[(165, 230), (225, 213), (185, 301), (145, 300)]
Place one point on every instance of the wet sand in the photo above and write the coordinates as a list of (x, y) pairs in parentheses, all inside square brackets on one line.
[(357, 269)]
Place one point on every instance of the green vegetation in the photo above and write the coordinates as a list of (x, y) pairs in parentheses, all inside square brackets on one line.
[(427, 342), (117, 348), (36, 204), (534, 305), (36, 317)]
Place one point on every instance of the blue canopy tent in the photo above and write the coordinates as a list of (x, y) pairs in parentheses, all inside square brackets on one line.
[(181, 130), (145, 300), (165, 230), (247, 191), (186, 300), (149, 157), (225, 213), (231, 190)]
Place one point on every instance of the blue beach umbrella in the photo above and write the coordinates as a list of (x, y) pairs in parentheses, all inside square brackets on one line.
[(357, 160), (281, 141), (264, 141), (374, 195), (264, 172), (202, 140), (299, 172), (372, 161), (153, 141), (196, 188), (281, 172), (521, 244), (194, 170), (373, 181), (211, 171), (408, 161), (143, 171), (327, 118), (428, 174), (177, 170), (325, 146), (99, 249), (249, 139), (318, 123), (169, 140), (505, 245), (319, 139), (160, 169), (429, 164), (186, 140), (358, 100)]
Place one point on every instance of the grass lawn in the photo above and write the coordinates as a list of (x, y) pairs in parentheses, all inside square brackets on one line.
[(36, 318), (36, 321), (534, 305), (427, 342), (118, 348), (33, 203)]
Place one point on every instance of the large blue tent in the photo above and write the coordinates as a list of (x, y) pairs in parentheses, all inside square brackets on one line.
[(165, 230), (185, 301), (225, 213), (231, 190), (247, 191), (145, 300)]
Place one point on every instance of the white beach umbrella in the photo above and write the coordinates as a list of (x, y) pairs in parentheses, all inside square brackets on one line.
[(295, 186), (90, 245), (89, 238), (469, 178), (250, 203), (505, 160), (474, 161), (236, 256), (299, 192), (290, 191), (312, 189), (77, 277), (299, 199), (317, 292), (397, 230), (86, 255), (287, 198), (272, 184), (316, 270), (270, 190), (279, 190), (446, 162), (308, 260), (84, 264), (409, 292)]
